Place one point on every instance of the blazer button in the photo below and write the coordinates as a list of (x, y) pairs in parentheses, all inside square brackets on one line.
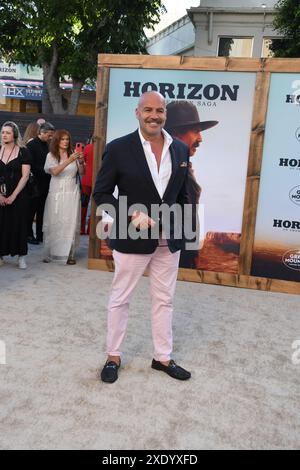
[(162, 200)]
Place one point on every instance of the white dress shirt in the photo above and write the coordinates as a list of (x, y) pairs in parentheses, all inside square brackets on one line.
[(160, 177)]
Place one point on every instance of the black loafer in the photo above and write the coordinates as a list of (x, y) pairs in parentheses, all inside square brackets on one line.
[(172, 369), (109, 372)]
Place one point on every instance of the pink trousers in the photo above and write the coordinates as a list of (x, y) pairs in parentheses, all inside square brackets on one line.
[(162, 266)]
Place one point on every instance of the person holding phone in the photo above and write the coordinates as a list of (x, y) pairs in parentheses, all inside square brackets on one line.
[(62, 211)]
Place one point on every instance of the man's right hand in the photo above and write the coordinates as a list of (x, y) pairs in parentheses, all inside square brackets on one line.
[(141, 221)]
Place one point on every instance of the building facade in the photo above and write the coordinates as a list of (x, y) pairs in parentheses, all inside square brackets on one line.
[(236, 28), (21, 90)]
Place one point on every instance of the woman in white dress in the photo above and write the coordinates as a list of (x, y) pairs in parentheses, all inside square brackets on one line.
[(61, 226)]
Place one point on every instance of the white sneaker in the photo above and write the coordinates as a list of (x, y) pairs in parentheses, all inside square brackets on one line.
[(1, 261), (22, 262)]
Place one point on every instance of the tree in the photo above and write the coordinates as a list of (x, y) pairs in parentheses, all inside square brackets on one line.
[(64, 37), (287, 23)]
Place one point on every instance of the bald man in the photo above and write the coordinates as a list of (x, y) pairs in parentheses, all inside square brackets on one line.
[(150, 169)]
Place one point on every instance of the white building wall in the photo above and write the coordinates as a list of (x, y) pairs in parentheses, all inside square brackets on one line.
[(191, 35), (178, 38), (256, 26), (237, 3)]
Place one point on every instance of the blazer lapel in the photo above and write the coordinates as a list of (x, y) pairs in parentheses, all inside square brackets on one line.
[(139, 155), (174, 169)]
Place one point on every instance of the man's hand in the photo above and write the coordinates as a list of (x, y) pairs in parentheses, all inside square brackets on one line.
[(141, 221)]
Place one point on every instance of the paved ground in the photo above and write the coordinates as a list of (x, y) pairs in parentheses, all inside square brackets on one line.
[(243, 394)]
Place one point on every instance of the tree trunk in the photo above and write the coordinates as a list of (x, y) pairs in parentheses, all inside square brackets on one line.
[(51, 79), (75, 95), (46, 104)]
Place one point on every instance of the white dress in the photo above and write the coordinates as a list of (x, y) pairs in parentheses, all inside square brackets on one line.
[(61, 227)]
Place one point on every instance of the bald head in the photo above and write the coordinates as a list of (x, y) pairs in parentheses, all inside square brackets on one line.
[(148, 95), (151, 114)]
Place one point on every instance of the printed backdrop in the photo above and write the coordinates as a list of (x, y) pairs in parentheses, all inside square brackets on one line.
[(220, 163), (277, 235)]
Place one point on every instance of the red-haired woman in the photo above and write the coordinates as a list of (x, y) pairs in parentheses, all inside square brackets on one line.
[(62, 210)]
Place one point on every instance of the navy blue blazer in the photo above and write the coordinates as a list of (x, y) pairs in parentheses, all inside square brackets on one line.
[(124, 165)]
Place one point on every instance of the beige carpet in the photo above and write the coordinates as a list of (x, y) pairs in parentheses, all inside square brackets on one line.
[(244, 392)]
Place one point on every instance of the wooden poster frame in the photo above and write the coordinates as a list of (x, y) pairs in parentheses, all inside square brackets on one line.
[(263, 69)]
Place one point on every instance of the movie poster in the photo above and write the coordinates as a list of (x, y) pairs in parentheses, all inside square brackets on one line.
[(277, 233), (220, 104)]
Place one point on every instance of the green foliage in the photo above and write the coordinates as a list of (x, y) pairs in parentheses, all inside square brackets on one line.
[(287, 23), (77, 29)]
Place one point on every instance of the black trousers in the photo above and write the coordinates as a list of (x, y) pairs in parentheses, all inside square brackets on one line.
[(36, 207)]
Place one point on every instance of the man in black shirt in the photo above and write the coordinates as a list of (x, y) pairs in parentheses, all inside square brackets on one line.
[(39, 148)]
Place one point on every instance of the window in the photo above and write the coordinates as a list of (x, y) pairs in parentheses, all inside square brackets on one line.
[(266, 51), (235, 47)]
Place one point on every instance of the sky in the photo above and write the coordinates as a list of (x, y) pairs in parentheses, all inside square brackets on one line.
[(175, 10)]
